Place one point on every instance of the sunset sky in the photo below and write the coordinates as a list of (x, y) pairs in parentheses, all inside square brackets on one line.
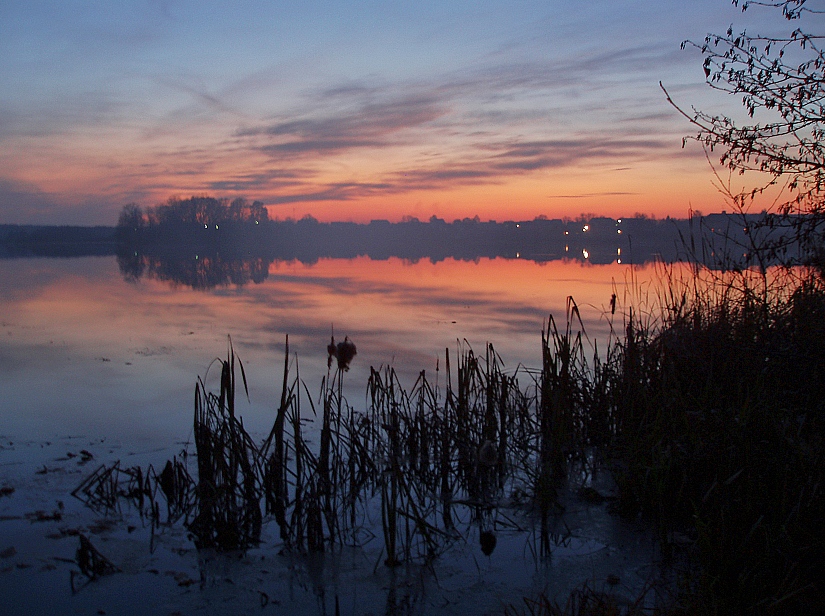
[(352, 110)]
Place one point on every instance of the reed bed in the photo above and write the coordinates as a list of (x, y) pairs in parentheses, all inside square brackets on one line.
[(719, 436), (707, 407), (407, 464), (414, 466)]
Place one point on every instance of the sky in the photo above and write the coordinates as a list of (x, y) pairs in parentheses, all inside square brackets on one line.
[(356, 110)]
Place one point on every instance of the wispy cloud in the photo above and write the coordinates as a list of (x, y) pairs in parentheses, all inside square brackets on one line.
[(200, 95), (480, 126), (556, 153), (595, 194), (273, 179), (370, 125), (344, 191)]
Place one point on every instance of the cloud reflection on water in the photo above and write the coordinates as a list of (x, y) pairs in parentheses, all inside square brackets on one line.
[(81, 346)]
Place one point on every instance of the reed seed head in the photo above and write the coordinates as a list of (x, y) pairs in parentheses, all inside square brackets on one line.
[(344, 352)]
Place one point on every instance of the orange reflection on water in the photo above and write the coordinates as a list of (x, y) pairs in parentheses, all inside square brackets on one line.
[(421, 307), (84, 349)]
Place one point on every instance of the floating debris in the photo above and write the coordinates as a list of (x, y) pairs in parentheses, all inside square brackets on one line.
[(42, 516)]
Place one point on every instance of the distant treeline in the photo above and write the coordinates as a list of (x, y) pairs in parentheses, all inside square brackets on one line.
[(56, 241), (204, 242), (238, 228), (171, 236)]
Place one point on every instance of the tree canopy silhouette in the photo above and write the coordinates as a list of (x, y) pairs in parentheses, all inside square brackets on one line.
[(781, 80), (207, 211)]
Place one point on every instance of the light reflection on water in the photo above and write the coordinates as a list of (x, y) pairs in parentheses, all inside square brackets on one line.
[(86, 354), (83, 350)]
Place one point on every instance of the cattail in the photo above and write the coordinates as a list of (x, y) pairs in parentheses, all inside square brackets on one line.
[(345, 352)]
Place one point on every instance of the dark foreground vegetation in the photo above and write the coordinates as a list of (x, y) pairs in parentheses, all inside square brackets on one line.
[(707, 409), (719, 435)]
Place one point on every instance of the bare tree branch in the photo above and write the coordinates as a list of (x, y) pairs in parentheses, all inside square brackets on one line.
[(781, 82)]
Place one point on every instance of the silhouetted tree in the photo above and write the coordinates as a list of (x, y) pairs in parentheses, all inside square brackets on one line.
[(781, 80), (185, 215), (130, 222)]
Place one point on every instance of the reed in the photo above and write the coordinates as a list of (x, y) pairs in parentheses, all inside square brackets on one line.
[(707, 407), (275, 485), (563, 383), (228, 486), (719, 436)]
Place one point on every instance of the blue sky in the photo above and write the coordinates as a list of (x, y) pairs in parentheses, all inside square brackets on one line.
[(356, 110)]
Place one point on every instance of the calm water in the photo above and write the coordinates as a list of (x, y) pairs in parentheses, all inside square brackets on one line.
[(84, 351), (91, 361)]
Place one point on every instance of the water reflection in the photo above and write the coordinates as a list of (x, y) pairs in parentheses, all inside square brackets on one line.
[(206, 258), (87, 353), (85, 350), (198, 271)]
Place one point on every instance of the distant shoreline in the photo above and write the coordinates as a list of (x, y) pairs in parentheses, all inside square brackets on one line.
[(596, 240), (56, 241)]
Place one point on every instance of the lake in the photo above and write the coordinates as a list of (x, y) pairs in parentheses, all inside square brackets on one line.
[(95, 361), (85, 350)]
